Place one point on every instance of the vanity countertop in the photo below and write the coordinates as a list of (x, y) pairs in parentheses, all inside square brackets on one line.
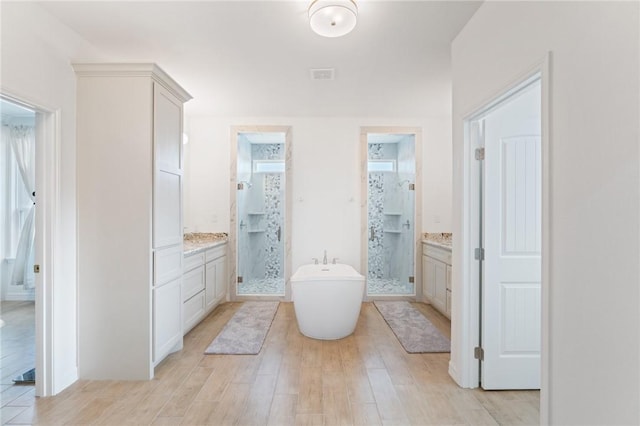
[(440, 239), (196, 241)]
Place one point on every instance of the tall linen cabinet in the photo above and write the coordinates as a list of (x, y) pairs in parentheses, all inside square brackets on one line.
[(129, 156)]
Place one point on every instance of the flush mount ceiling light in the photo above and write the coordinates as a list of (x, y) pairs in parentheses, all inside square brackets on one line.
[(333, 18)]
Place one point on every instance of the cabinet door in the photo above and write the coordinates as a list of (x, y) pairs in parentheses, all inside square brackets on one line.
[(221, 277), (167, 147), (440, 296), (216, 281), (167, 318), (428, 277), (210, 285), (448, 286)]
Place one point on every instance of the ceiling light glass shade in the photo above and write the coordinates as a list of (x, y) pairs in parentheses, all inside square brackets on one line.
[(333, 18)]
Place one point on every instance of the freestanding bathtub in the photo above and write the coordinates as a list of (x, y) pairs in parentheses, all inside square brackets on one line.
[(327, 300)]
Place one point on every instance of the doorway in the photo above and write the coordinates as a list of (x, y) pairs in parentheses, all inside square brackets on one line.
[(390, 215), (17, 243), (46, 246), (506, 147), (260, 213)]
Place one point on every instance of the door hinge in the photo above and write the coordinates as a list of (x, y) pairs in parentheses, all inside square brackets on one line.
[(240, 186), (478, 253), (478, 353), (239, 280), (412, 279), (480, 154), (412, 187), (36, 269)]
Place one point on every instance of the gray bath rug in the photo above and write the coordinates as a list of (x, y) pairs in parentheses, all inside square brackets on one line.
[(246, 330), (415, 333)]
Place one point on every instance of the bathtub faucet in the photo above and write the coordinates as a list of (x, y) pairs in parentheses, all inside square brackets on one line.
[(324, 259)]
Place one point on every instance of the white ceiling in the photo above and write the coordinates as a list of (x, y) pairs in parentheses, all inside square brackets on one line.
[(252, 58)]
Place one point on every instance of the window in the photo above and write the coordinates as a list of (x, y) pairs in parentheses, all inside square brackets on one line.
[(15, 199), (268, 166), (382, 165)]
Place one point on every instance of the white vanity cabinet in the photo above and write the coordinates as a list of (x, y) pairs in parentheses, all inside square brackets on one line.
[(204, 283), (129, 207), (436, 277)]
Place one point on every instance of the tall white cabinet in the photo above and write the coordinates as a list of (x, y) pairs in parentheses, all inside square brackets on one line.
[(129, 157)]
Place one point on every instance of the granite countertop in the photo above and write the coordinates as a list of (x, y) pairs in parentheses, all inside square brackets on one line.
[(197, 241), (440, 239)]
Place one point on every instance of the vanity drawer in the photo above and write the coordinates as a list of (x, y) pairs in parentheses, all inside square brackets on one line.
[(192, 282), (437, 253), (193, 261), (215, 253), (167, 264), (193, 309)]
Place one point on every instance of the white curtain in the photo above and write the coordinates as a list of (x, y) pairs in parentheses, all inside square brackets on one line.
[(22, 139)]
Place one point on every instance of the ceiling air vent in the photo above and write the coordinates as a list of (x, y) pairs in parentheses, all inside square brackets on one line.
[(322, 74)]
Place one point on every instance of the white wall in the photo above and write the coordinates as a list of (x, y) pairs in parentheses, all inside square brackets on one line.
[(594, 352), (35, 67), (326, 179)]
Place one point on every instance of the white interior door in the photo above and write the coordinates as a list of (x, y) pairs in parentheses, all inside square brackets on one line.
[(511, 321)]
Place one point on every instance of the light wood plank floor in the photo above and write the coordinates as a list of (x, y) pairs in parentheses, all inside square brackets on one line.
[(364, 379)]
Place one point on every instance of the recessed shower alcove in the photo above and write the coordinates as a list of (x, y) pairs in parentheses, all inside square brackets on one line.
[(259, 237), (390, 214)]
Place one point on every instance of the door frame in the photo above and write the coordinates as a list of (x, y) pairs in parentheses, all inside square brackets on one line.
[(233, 230), (469, 296), (47, 169), (416, 132)]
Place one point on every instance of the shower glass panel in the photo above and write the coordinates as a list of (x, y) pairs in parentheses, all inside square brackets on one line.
[(260, 218), (390, 213)]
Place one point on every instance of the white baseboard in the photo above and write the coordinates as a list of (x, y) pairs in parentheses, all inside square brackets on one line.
[(453, 372)]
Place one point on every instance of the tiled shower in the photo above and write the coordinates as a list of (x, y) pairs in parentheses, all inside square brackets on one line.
[(390, 213), (261, 202)]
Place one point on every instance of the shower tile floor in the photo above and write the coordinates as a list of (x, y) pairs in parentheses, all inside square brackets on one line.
[(270, 286), (275, 286), (389, 286)]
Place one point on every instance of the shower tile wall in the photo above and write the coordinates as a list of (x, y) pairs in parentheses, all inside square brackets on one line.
[(376, 265), (273, 188), (391, 204), (260, 214)]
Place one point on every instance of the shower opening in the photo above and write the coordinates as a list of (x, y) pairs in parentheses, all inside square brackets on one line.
[(260, 220), (390, 214)]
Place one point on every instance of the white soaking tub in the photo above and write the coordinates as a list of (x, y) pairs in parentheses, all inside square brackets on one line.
[(327, 300)]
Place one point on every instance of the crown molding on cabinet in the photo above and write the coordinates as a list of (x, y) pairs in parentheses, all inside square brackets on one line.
[(132, 70)]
